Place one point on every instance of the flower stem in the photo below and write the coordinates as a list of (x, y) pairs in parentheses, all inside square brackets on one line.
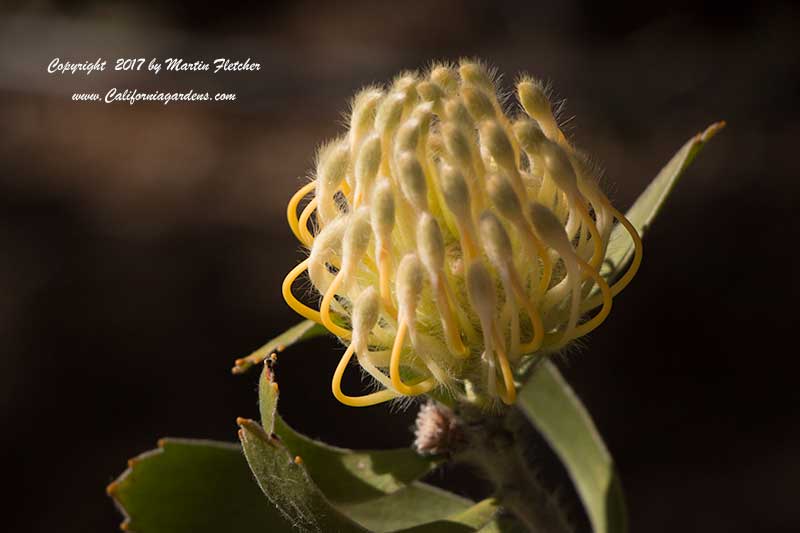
[(495, 445)]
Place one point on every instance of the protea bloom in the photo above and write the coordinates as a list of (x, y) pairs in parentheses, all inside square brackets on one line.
[(451, 241)]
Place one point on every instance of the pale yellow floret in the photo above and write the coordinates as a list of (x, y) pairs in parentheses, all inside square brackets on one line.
[(432, 254), (508, 204), (533, 99), (476, 74), (493, 135), (433, 93), (457, 198), (368, 163), (445, 77), (412, 181), (354, 246), (561, 172), (554, 235), (480, 288), (499, 250), (332, 166), (409, 290), (365, 315), (478, 104), (325, 250), (383, 219)]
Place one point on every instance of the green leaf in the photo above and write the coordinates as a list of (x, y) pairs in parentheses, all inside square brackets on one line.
[(193, 486), (285, 482), (549, 402), (305, 330), (503, 524), (376, 488), (417, 508), (411, 506), (468, 521), (344, 476), (646, 207)]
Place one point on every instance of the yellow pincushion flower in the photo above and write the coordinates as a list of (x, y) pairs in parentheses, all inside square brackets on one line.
[(449, 242)]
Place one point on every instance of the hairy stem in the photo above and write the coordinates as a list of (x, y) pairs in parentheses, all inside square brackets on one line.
[(495, 445)]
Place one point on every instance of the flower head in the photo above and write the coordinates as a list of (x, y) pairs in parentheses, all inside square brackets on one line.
[(451, 243)]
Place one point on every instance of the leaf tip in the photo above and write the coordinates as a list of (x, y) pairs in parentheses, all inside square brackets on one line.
[(712, 130), (240, 366), (112, 488), (251, 427)]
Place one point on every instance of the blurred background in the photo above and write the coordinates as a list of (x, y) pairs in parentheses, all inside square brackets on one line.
[(143, 247)]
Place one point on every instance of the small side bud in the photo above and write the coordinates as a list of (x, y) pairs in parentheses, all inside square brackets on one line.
[(365, 315), (438, 430), (412, 180)]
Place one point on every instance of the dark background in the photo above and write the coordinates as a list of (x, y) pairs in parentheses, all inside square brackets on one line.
[(143, 247)]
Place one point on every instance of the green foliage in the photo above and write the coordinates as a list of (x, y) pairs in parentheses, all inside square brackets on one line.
[(649, 203), (287, 485), (192, 486), (346, 475), (305, 330), (198, 486), (376, 489)]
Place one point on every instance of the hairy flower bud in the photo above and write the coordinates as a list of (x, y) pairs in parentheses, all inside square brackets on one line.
[(451, 243)]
